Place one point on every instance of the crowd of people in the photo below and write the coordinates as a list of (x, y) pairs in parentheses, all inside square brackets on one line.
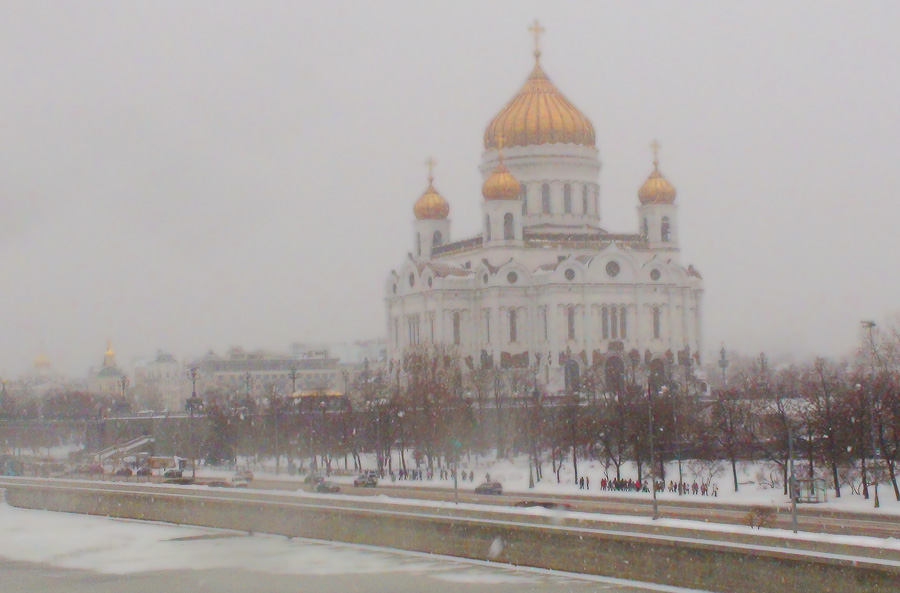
[(629, 485), (584, 482)]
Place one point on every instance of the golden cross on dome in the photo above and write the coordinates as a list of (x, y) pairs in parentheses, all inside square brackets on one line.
[(537, 29), (430, 164), (655, 146)]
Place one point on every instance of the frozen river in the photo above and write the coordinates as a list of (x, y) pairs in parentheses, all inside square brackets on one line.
[(66, 553)]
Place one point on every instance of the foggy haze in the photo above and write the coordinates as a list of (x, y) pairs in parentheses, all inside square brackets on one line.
[(193, 176)]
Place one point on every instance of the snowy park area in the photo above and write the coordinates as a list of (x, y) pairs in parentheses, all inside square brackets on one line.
[(758, 483)]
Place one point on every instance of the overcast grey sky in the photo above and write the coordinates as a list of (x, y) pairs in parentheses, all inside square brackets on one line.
[(197, 175)]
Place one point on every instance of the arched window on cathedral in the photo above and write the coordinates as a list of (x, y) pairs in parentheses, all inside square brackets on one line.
[(513, 329), (509, 232), (438, 239), (567, 199), (570, 322), (545, 198), (584, 199), (487, 228), (645, 228), (665, 231), (623, 328), (418, 244), (656, 323), (456, 328), (604, 323), (614, 322)]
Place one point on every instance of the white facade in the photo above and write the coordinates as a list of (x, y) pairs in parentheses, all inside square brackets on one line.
[(545, 285)]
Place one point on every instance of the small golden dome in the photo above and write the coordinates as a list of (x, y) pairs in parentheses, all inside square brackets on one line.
[(657, 189), (539, 114), (501, 185), (431, 206), (41, 361)]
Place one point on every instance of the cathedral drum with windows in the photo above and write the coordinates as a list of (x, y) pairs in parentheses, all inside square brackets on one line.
[(544, 286)]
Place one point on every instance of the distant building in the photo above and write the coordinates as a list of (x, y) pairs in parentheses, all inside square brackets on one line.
[(260, 373), (109, 379), (161, 382), (347, 353)]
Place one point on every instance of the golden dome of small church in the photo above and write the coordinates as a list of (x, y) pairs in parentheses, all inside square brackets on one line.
[(545, 286)]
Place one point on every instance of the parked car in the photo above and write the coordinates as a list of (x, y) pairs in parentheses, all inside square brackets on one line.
[(369, 479), (244, 473), (239, 482), (145, 472), (327, 487), (489, 488), (124, 472), (173, 473)]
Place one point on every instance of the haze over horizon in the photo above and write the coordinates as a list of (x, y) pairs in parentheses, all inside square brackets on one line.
[(197, 176)]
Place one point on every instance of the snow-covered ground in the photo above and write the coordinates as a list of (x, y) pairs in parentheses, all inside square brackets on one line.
[(753, 482)]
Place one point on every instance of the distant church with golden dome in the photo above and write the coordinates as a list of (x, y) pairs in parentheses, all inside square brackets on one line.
[(545, 286)]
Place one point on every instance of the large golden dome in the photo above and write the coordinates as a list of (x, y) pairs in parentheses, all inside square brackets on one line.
[(431, 205), (501, 185), (657, 189), (539, 114)]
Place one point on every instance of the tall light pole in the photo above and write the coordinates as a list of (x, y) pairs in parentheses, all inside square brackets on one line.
[(870, 327), (273, 402), (723, 364), (192, 404), (652, 454)]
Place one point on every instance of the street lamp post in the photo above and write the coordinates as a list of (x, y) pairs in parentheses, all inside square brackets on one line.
[(273, 402), (652, 453), (723, 364), (192, 404), (870, 326)]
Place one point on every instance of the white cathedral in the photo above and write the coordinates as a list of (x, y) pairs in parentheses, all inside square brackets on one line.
[(544, 286)]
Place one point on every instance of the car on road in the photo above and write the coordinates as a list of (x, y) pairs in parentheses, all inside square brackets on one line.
[(239, 482), (489, 488), (124, 472), (145, 472), (313, 479), (95, 469), (173, 473), (218, 484), (366, 479), (244, 473), (327, 487)]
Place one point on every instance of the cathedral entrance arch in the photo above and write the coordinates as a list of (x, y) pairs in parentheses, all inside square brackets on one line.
[(615, 375), (657, 375), (573, 375)]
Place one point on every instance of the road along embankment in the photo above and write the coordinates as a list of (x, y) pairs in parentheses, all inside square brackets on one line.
[(658, 556)]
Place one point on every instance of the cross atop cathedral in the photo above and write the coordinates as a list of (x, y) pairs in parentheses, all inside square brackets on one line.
[(430, 164), (537, 29), (655, 146)]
